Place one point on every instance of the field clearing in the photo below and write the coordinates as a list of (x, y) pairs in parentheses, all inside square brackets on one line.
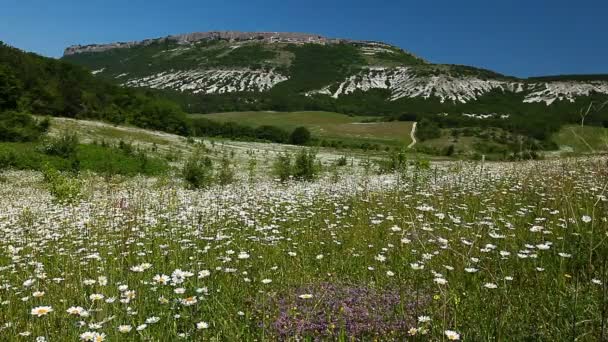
[(161, 143), (324, 125)]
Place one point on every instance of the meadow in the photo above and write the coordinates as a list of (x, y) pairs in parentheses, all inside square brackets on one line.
[(325, 125), (447, 251)]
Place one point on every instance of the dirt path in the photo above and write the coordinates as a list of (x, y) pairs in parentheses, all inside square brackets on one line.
[(413, 136)]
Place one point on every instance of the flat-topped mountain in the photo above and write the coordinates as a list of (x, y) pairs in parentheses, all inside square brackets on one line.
[(232, 36), (229, 70)]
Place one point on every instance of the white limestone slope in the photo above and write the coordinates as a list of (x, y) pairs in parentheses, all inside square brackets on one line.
[(552, 91), (212, 81), (404, 82)]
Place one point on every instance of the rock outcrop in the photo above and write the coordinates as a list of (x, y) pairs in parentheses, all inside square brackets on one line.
[(188, 38)]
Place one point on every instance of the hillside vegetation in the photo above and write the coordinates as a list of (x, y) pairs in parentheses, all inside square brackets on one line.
[(45, 86)]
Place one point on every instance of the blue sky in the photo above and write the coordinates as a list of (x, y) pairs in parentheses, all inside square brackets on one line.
[(515, 37)]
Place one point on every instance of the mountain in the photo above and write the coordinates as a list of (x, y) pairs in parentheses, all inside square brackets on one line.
[(231, 62), (237, 71)]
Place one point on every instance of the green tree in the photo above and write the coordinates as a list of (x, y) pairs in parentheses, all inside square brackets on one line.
[(300, 136), (9, 90)]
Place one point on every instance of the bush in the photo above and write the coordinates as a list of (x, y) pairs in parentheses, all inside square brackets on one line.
[(63, 188), (226, 173), (342, 161), (198, 171), (300, 136), (304, 166), (21, 127), (396, 162), (63, 146), (282, 167), (427, 129)]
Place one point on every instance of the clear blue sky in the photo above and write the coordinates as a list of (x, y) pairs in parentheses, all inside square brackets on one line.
[(515, 37)]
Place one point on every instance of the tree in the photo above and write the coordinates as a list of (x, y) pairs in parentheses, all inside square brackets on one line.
[(9, 90), (427, 129), (19, 127), (300, 136)]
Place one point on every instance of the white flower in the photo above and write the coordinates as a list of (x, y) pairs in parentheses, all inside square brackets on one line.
[(452, 335), (161, 279), (38, 294), (470, 270), (141, 327), (40, 311), (416, 266), (440, 281), (189, 301), (124, 328), (380, 258), (243, 255), (266, 281), (103, 281), (564, 255), (202, 325), (152, 320), (490, 285), (203, 274), (390, 273), (586, 218), (596, 281), (87, 336), (96, 296), (305, 296), (77, 311), (319, 257), (424, 319)]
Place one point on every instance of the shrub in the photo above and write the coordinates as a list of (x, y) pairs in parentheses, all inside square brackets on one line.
[(396, 162), (427, 129), (64, 189), (304, 166), (342, 161), (282, 166), (198, 171), (63, 146), (300, 136), (226, 172), (21, 127)]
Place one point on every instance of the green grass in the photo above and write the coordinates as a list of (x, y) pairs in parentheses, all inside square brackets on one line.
[(324, 125), (104, 160), (579, 139)]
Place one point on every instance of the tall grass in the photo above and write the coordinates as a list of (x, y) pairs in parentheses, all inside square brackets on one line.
[(510, 252)]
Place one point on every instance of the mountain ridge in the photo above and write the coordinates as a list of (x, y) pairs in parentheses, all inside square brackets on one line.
[(193, 37)]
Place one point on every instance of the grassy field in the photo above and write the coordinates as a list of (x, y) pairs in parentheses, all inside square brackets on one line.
[(588, 139), (501, 251), (325, 125)]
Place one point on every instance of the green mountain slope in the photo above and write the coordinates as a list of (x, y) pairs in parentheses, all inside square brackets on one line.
[(45, 86)]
